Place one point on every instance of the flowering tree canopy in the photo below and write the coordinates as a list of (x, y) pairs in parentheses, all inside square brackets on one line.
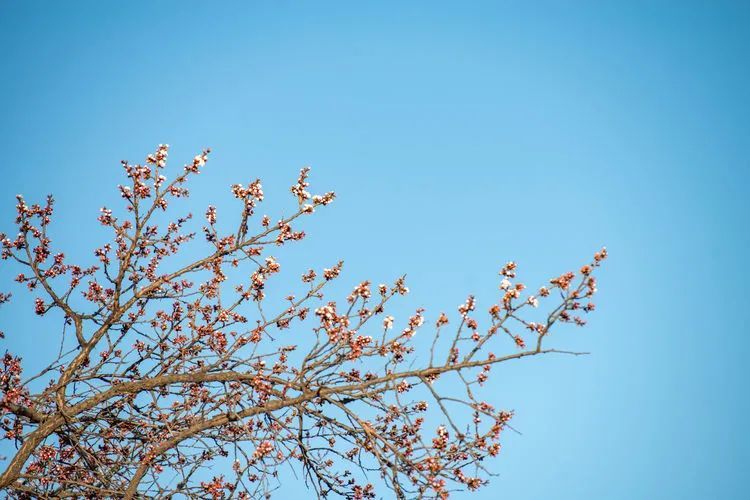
[(170, 367)]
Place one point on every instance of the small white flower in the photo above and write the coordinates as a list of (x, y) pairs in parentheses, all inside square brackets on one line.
[(388, 322), (505, 284)]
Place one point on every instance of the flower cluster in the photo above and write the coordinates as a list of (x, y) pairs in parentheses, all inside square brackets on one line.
[(335, 325), (415, 322), (299, 189), (332, 273), (263, 449), (467, 306), (216, 487), (10, 382), (360, 291), (260, 276)]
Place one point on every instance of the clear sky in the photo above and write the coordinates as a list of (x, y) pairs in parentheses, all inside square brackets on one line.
[(459, 136)]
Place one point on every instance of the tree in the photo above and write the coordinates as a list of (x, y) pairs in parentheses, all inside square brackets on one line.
[(171, 369)]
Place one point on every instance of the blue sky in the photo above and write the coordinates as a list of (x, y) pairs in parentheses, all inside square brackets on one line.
[(458, 136)]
